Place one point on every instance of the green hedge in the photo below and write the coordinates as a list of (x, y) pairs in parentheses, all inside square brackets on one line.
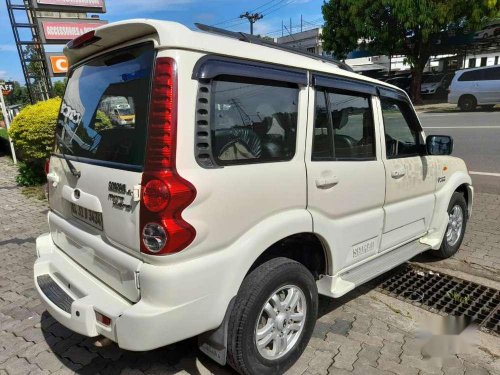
[(32, 130)]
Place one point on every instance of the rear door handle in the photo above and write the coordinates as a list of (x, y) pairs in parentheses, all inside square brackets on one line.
[(326, 182), (398, 173)]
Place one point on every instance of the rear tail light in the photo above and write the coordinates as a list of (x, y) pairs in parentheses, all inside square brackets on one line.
[(165, 194), (83, 40), (47, 166)]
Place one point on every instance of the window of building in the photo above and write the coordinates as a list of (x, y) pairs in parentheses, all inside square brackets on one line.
[(484, 61), (253, 121), (496, 60), (402, 138), (343, 127), (472, 62)]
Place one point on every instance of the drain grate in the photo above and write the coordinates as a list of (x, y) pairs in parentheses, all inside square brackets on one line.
[(445, 295)]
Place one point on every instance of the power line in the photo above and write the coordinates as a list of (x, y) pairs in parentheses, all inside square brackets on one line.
[(269, 2), (231, 20), (279, 7)]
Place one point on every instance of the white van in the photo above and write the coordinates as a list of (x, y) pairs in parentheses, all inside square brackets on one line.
[(252, 179), (472, 87)]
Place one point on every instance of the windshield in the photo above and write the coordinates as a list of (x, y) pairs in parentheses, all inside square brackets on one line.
[(88, 124), (125, 112), (433, 79)]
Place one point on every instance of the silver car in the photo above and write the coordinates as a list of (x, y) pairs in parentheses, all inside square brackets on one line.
[(473, 87)]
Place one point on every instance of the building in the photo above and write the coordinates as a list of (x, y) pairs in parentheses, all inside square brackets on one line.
[(476, 52), (309, 40)]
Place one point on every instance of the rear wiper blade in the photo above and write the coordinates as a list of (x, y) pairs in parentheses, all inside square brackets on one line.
[(75, 172)]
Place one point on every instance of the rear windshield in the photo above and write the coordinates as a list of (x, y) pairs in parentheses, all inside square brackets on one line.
[(104, 113)]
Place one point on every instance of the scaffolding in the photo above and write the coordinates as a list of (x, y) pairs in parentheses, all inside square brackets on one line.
[(31, 51)]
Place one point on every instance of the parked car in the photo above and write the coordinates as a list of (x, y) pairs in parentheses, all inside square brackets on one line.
[(436, 84), (488, 31), (478, 86), (254, 179), (402, 82)]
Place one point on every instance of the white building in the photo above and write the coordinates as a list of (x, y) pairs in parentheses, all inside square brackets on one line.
[(309, 40)]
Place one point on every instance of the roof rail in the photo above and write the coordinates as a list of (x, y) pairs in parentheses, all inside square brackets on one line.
[(256, 40)]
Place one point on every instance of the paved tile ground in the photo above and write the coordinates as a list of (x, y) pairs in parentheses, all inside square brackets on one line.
[(363, 333)]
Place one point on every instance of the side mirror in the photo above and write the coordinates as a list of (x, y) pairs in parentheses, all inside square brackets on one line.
[(439, 145)]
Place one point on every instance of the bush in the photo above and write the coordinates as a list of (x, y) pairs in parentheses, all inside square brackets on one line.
[(30, 174), (32, 130), (102, 121)]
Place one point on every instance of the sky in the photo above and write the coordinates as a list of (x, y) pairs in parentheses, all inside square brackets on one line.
[(220, 13)]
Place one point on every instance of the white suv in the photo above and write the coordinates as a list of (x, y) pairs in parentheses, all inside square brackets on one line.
[(472, 87), (251, 179)]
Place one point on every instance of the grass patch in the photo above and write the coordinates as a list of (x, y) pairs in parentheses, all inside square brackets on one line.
[(35, 192), (3, 133)]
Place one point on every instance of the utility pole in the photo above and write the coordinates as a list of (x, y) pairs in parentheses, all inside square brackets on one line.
[(252, 18)]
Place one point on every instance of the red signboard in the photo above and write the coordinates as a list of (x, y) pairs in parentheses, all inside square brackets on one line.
[(96, 6), (61, 31), (74, 3)]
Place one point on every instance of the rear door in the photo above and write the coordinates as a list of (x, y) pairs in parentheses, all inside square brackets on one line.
[(345, 173), (93, 206), (491, 85), (410, 174)]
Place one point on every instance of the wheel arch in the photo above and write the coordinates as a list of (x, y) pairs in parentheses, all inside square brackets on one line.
[(459, 181), (307, 248)]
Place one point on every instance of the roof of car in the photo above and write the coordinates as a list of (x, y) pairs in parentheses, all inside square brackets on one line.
[(175, 35), (477, 68)]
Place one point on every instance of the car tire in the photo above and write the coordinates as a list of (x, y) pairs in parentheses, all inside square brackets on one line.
[(256, 309), (457, 222), (467, 103)]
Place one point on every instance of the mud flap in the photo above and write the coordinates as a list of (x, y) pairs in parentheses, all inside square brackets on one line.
[(214, 343)]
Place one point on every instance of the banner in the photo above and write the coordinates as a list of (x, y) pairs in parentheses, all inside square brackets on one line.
[(61, 31), (84, 6), (57, 63)]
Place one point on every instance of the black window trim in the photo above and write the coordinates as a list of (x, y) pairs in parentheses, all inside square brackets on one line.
[(329, 89), (209, 68), (333, 81)]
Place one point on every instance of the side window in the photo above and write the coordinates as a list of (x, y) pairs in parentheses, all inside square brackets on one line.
[(253, 121), (492, 74), (475, 75), (402, 138), (343, 127), (323, 137)]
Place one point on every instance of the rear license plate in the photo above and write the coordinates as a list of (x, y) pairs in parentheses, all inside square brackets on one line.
[(87, 216)]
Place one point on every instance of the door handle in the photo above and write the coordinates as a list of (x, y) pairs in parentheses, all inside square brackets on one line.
[(398, 173), (326, 182)]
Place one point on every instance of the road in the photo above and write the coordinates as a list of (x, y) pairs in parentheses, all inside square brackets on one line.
[(476, 140)]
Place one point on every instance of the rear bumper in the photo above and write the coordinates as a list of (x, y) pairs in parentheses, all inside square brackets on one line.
[(73, 296)]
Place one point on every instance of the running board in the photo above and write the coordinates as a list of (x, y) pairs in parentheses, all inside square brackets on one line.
[(345, 281)]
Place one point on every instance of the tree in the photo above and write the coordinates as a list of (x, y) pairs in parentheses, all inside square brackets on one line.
[(19, 95), (58, 88), (399, 26)]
